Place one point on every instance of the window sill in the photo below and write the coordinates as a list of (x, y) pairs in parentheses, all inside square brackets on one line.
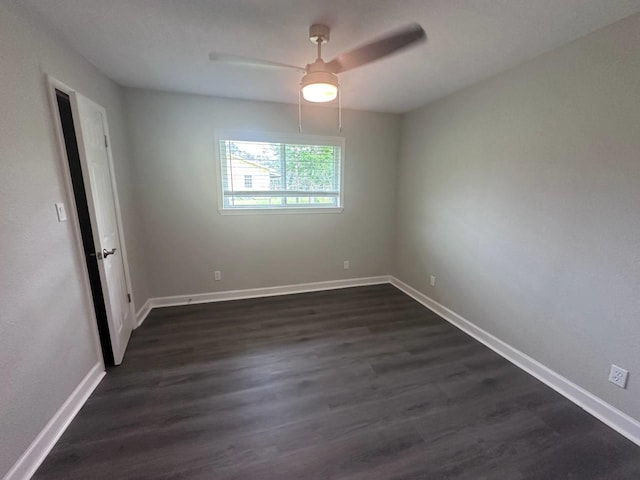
[(278, 211)]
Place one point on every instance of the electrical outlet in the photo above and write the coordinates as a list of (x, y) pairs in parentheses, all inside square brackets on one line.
[(618, 376), (345, 264), (217, 275), (432, 280)]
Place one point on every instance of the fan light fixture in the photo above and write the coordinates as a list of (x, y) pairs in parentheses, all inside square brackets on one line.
[(319, 87), (319, 83)]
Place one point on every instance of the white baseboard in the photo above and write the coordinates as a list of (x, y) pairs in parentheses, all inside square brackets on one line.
[(603, 411), (264, 292), (141, 315), (31, 459)]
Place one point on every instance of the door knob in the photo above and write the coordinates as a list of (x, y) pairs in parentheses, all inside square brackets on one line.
[(106, 253)]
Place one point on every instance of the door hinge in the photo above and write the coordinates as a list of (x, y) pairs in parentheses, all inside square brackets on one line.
[(129, 297), (106, 142)]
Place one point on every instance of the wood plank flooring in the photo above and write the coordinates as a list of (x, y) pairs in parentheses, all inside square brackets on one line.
[(359, 383)]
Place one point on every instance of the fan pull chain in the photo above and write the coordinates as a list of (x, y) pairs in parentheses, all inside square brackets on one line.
[(339, 109), (299, 110)]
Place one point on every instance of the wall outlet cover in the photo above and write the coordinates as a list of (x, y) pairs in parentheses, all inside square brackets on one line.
[(618, 376)]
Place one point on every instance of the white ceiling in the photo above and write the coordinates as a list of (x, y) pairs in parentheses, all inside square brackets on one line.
[(165, 44)]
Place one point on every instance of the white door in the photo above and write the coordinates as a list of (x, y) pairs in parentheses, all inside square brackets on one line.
[(93, 145)]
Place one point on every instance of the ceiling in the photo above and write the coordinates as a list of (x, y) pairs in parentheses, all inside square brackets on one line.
[(164, 44)]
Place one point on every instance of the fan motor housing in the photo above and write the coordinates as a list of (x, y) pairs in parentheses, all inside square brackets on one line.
[(319, 77), (318, 66)]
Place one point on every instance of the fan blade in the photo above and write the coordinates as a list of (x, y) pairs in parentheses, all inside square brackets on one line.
[(249, 62), (377, 49)]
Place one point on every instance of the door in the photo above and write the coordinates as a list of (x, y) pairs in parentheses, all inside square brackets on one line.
[(91, 132)]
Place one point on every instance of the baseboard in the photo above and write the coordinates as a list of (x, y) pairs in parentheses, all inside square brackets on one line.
[(141, 315), (603, 411), (265, 292), (31, 459)]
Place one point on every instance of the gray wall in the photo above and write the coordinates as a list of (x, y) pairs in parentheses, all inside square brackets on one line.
[(47, 342), (187, 239), (522, 195)]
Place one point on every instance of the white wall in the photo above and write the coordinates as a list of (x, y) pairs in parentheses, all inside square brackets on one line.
[(187, 239), (522, 195), (46, 339)]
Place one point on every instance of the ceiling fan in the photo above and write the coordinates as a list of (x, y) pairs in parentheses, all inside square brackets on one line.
[(320, 81)]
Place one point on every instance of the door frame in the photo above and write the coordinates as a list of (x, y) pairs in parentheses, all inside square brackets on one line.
[(54, 84)]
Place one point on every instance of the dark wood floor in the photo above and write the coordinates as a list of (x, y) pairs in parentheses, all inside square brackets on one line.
[(360, 383)]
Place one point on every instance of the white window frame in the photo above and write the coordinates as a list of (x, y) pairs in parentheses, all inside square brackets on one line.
[(272, 137)]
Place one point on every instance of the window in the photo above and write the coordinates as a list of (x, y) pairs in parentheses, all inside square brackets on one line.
[(279, 173)]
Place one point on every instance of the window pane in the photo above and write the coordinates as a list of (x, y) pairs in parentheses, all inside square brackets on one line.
[(310, 167), (279, 175)]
